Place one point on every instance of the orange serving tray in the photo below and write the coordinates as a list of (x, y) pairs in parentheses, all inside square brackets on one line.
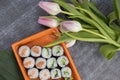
[(41, 39)]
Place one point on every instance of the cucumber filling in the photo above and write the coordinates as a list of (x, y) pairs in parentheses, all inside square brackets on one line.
[(66, 73), (56, 73), (47, 51), (58, 51), (63, 61), (52, 64)]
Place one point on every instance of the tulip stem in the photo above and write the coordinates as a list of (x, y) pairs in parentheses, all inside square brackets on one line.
[(109, 41), (65, 12), (95, 33)]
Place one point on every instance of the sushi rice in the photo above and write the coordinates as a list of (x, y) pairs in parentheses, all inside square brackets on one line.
[(66, 72), (41, 63), (44, 74), (29, 62), (46, 53), (62, 61), (24, 51), (55, 73), (57, 51), (33, 73), (51, 63), (45, 61), (36, 51)]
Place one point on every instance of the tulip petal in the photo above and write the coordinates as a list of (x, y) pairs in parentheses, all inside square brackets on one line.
[(70, 43), (72, 26), (50, 7), (49, 22)]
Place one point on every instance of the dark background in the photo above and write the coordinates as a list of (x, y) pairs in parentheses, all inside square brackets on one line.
[(18, 20)]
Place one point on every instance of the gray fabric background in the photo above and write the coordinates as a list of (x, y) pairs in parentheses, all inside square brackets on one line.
[(18, 20)]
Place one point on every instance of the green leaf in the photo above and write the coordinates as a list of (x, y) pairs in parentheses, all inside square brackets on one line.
[(82, 35), (103, 25), (108, 51), (67, 7), (63, 38), (85, 36), (117, 9), (86, 26), (112, 17), (2, 77), (116, 28), (9, 69), (75, 2), (85, 4), (97, 12), (118, 40)]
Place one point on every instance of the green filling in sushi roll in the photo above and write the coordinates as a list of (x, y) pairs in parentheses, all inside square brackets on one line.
[(55, 74), (51, 63), (57, 50), (62, 61), (46, 53), (66, 72)]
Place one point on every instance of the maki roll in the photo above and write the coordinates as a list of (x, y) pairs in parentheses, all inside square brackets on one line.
[(40, 63), (66, 72), (36, 51), (57, 50), (44, 74), (55, 74), (62, 61), (24, 51), (33, 73), (29, 62), (46, 52), (51, 63)]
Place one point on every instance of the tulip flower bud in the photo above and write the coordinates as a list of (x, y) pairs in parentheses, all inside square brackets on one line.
[(70, 43), (71, 26), (50, 7), (49, 22)]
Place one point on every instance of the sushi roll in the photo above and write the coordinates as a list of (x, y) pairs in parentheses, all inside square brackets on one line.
[(33, 73), (36, 51), (55, 74), (66, 72), (46, 52), (62, 61), (24, 51), (44, 74), (40, 63), (57, 50), (29, 62), (51, 63)]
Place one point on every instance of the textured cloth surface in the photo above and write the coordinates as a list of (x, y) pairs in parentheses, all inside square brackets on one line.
[(18, 20)]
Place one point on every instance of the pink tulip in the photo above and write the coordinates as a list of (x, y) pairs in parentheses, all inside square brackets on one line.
[(50, 7), (49, 22), (71, 26), (70, 43)]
